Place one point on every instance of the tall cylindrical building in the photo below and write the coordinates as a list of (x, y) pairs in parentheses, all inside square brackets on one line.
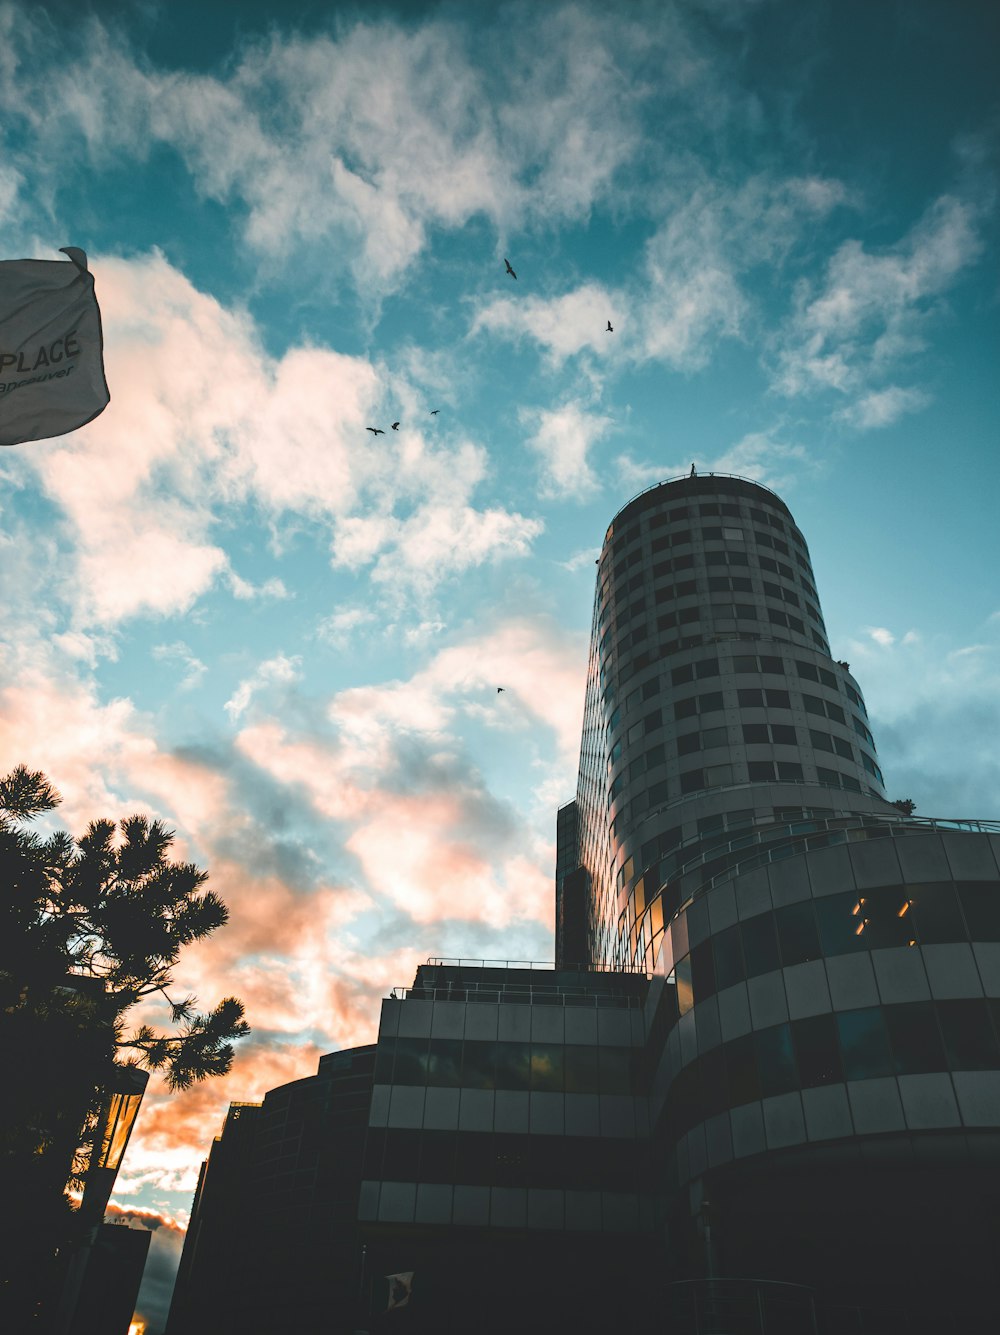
[(715, 717)]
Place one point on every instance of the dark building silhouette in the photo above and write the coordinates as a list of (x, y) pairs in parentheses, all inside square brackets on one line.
[(760, 1089)]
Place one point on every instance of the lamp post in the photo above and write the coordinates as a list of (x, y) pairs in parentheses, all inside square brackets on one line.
[(122, 1095)]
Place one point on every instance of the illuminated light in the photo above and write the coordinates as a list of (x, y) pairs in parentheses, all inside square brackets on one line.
[(857, 908), (137, 1328), (860, 927), (904, 909), (912, 941)]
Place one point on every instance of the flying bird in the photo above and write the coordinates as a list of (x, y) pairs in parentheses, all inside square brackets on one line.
[(500, 690), (609, 329), (435, 411), (395, 426), (509, 269), (375, 430)]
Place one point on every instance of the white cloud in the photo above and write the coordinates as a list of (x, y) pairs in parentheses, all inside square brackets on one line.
[(882, 407), (563, 440), (865, 317), (279, 670), (563, 325), (882, 636), (194, 668)]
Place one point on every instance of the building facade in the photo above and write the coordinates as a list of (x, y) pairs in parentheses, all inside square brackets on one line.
[(760, 1089)]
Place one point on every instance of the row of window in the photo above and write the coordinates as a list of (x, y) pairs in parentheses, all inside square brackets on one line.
[(448, 1063), (862, 1044), (485, 1158), (895, 915)]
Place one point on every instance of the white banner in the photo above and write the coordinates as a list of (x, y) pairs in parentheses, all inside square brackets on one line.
[(51, 348)]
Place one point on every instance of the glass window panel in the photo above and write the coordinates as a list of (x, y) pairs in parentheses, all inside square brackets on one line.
[(838, 924), (411, 1062), (615, 1070), (513, 1066), (714, 1085), (581, 1069), (935, 911), (778, 699), (709, 702), (790, 771), (783, 734), (750, 696), (702, 971), (685, 999), (383, 1061), (688, 744), (769, 664), (401, 1155), (969, 1039), (547, 1067), (728, 953), (817, 1051), (715, 737), (744, 663), (864, 1043), (760, 944), (437, 1156), (797, 934), (445, 1062), (478, 1064), (760, 771), (776, 1060), (741, 1067), (885, 917), (914, 1038), (981, 902), (755, 733)]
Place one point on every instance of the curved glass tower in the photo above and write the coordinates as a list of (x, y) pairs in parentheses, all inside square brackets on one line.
[(715, 717)]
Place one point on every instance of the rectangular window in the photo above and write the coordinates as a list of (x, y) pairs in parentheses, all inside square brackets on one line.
[(709, 702), (777, 699), (760, 771), (741, 1068), (776, 1060), (969, 1040), (707, 667), (914, 1038), (808, 671), (768, 663), (783, 734), (817, 1051), (681, 675), (760, 944), (838, 924), (728, 958), (789, 771), (864, 1043), (981, 902), (814, 705), (935, 912), (797, 934), (732, 534), (693, 781), (749, 697), (755, 733), (718, 776), (688, 744), (744, 663), (685, 708)]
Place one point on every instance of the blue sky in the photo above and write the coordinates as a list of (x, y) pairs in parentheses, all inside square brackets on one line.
[(228, 604)]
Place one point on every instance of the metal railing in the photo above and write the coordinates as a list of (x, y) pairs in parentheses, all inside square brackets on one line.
[(520, 994)]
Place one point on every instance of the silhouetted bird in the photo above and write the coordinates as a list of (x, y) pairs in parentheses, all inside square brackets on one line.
[(395, 426), (376, 431), (500, 690), (435, 411), (509, 269), (609, 329)]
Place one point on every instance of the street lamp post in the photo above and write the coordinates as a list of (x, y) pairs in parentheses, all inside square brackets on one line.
[(122, 1095)]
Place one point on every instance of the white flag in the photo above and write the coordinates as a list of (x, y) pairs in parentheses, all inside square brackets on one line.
[(51, 348), (400, 1288)]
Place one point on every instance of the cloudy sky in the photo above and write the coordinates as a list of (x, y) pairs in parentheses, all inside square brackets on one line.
[(227, 604)]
